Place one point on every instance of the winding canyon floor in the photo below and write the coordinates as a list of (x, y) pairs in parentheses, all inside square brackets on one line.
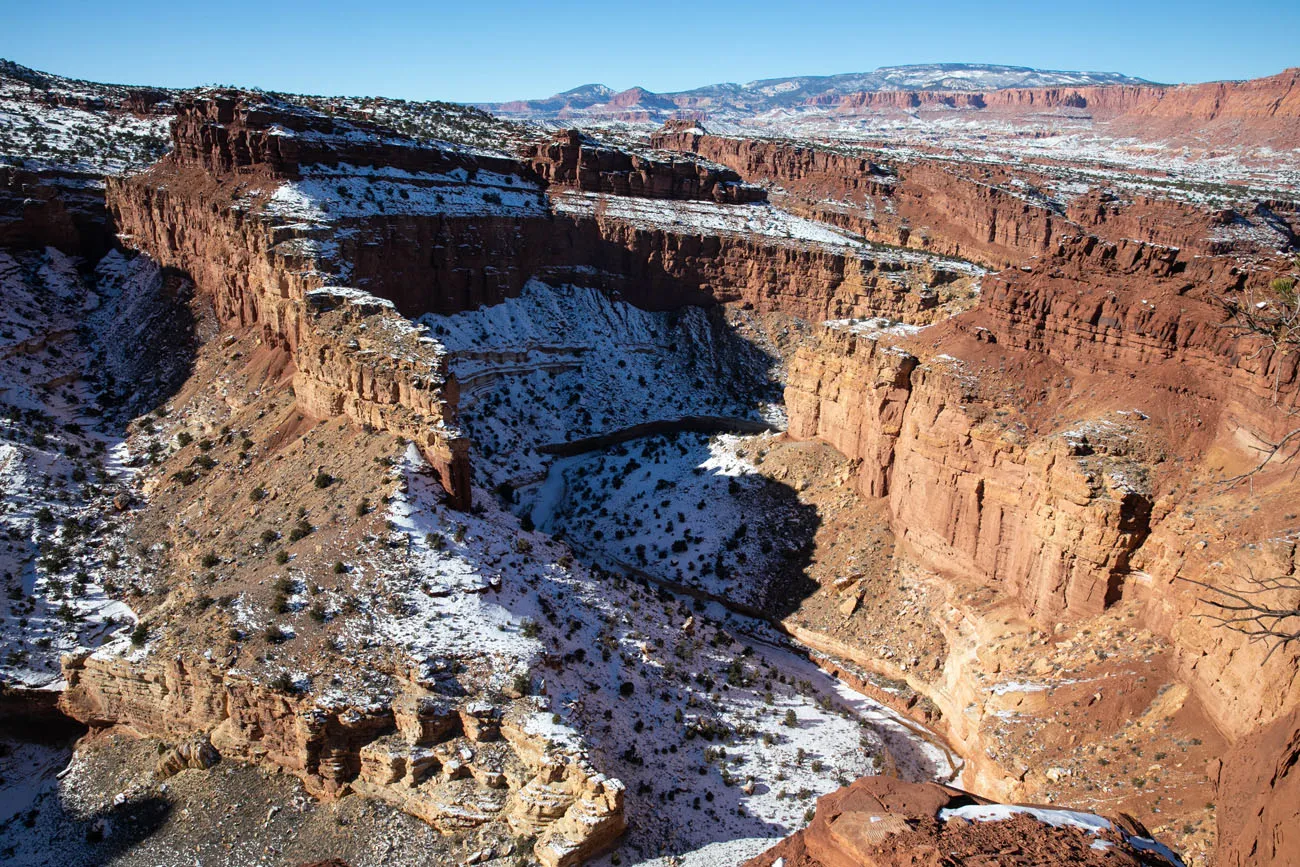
[(645, 589), (722, 730)]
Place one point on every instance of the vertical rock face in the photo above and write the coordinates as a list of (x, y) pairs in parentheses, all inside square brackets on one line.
[(1259, 797), (574, 160), (232, 131), (35, 214), (949, 208), (262, 275), (455, 767), (852, 391), (1052, 520), (1056, 517)]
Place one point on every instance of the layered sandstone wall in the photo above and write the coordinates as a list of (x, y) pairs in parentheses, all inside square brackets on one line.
[(1052, 521), (1118, 308), (232, 131), (851, 391), (928, 204), (573, 160), (456, 765), (257, 275), (661, 269), (993, 474), (1259, 798)]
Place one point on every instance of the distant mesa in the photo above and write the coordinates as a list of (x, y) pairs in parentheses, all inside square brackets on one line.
[(756, 97)]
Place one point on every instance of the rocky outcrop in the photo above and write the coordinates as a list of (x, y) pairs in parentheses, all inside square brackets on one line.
[(942, 206), (662, 269), (229, 131), (851, 391), (364, 362), (884, 822), (1053, 520), (455, 765), (806, 169), (53, 208), (574, 160)]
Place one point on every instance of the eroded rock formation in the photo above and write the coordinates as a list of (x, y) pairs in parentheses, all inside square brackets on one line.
[(455, 765), (883, 822)]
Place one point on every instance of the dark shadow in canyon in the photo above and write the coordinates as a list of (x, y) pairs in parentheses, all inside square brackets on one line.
[(74, 839), (650, 509)]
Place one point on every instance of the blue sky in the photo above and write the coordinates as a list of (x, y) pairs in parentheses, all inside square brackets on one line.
[(481, 50)]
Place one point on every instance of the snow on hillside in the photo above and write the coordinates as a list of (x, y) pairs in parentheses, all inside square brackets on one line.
[(766, 221), (689, 508), (723, 734), (562, 363), (329, 193), (433, 122), (36, 134), (736, 101), (1074, 149), (967, 77), (61, 546)]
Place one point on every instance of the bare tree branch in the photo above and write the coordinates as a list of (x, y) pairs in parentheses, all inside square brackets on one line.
[(1241, 610), (1271, 316)]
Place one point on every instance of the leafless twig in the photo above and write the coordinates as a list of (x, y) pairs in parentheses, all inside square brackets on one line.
[(1242, 609), (1272, 317)]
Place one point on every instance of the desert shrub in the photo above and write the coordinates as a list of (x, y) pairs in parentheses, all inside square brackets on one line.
[(276, 635)]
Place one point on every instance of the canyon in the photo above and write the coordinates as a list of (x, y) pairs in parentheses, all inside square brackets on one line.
[(604, 494)]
